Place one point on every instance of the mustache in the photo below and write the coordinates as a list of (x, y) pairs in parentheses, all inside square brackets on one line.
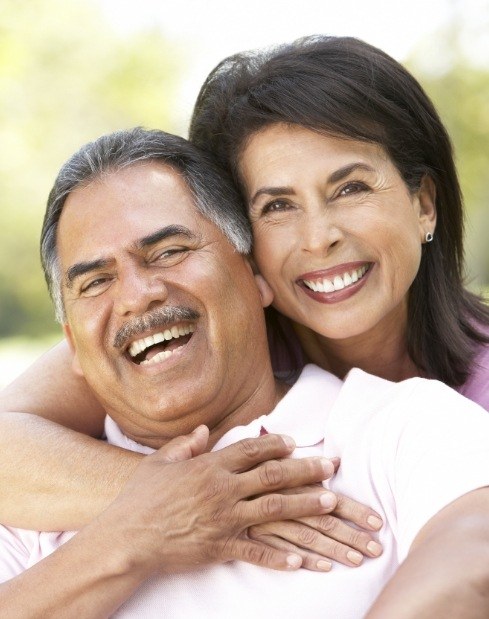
[(159, 317)]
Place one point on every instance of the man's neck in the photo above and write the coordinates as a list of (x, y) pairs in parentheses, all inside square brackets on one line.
[(251, 400), (260, 403)]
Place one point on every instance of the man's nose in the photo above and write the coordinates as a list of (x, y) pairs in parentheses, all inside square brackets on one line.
[(138, 290)]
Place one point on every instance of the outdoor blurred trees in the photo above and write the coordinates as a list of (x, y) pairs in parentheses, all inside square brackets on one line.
[(66, 77), (460, 91)]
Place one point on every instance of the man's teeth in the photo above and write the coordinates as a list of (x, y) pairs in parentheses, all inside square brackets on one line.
[(160, 356), (139, 346), (339, 282)]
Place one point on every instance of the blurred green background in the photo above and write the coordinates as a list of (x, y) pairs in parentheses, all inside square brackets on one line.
[(69, 72)]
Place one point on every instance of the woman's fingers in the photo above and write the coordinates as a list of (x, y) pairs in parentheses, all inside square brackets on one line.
[(359, 514), (313, 545)]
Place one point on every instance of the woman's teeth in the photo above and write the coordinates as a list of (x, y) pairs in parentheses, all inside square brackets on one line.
[(338, 282)]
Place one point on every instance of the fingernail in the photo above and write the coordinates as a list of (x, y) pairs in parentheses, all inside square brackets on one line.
[(354, 557), (289, 442), (327, 499), (328, 466), (324, 566), (374, 548), (374, 522), (294, 562)]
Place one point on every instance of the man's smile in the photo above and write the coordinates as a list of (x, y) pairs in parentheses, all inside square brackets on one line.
[(161, 345)]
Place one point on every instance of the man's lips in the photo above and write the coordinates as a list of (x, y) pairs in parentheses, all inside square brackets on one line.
[(335, 279), (161, 345)]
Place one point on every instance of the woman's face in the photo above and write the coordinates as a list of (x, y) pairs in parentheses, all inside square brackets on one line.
[(337, 233)]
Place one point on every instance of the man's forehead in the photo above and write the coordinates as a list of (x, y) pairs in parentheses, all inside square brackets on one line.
[(130, 209), (144, 196)]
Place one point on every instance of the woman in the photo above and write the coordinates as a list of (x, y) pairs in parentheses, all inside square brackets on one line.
[(298, 127), (346, 169)]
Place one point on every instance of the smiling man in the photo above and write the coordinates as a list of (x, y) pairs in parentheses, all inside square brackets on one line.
[(144, 250)]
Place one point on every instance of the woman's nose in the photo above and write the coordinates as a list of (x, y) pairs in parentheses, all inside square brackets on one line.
[(320, 232)]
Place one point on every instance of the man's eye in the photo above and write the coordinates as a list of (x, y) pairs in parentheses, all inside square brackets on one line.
[(352, 188), (93, 285), (170, 255)]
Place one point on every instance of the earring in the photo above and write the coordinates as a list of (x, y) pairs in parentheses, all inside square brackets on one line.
[(428, 237)]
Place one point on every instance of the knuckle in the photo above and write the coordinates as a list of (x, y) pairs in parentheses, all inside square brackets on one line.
[(272, 506), (257, 554), (358, 539), (327, 524), (307, 536), (271, 474), (256, 532), (217, 486), (350, 509), (249, 448), (337, 552)]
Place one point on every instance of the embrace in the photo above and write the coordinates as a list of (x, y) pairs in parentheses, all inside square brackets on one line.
[(347, 217)]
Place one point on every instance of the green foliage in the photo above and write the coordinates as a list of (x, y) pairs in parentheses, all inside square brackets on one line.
[(65, 78), (461, 95)]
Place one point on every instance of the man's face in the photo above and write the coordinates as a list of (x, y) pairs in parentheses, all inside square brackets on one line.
[(164, 315)]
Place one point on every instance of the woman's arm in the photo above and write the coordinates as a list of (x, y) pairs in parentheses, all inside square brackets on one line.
[(446, 573), (47, 477), (53, 478), (51, 389), (56, 478)]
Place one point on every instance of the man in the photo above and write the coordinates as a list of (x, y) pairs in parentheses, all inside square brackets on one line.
[(160, 305)]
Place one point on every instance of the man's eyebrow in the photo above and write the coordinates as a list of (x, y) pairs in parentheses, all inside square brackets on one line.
[(334, 177), (81, 268), (164, 233)]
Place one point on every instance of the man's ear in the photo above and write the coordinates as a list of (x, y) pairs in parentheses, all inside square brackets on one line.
[(69, 338), (266, 293), (427, 206)]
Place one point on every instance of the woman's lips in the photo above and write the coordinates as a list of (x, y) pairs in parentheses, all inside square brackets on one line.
[(335, 284)]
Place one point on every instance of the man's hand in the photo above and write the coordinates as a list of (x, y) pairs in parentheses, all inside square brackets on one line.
[(176, 515), (317, 539)]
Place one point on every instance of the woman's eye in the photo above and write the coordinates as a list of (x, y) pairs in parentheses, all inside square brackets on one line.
[(275, 206), (352, 188)]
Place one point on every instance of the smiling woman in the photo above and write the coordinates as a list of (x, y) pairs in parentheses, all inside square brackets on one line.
[(337, 234), (348, 178), (348, 174)]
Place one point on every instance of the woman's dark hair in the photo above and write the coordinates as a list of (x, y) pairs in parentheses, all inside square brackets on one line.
[(345, 87)]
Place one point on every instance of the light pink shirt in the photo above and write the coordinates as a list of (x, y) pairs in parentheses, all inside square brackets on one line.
[(407, 449)]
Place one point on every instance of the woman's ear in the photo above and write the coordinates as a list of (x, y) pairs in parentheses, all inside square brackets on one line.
[(69, 338), (427, 206), (264, 289)]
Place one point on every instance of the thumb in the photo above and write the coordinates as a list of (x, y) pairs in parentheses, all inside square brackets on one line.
[(186, 446)]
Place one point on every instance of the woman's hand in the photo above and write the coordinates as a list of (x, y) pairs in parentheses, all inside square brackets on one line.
[(344, 535)]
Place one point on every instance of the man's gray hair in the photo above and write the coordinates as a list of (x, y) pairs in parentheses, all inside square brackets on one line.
[(214, 195)]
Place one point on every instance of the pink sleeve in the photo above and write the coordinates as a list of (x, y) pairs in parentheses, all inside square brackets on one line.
[(477, 386), (14, 554)]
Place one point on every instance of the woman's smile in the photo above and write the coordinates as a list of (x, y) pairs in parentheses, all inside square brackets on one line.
[(337, 233), (335, 284)]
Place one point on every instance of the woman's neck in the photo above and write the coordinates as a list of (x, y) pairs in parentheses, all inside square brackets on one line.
[(382, 352)]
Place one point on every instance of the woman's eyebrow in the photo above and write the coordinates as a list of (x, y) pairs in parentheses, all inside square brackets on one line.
[(272, 191), (334, 177), (346, 170)]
